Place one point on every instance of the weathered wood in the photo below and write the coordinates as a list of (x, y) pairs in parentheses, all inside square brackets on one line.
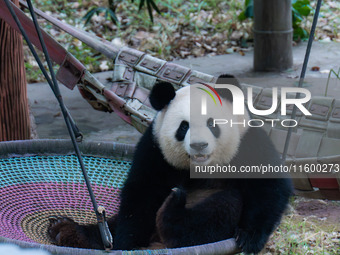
[(14, 115), (273, 35)]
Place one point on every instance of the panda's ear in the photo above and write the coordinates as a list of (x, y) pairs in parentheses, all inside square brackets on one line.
[(161, 95), (227, 79)]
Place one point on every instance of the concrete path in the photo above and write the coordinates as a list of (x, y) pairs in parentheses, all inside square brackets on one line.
[(100, 126)]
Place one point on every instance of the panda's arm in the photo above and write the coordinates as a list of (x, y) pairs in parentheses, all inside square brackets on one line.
[(264, 200), (198, 216), (264, 203), (136, 218), (144, 191)]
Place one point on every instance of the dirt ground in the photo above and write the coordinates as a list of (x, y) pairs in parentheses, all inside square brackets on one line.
[(326, 212)]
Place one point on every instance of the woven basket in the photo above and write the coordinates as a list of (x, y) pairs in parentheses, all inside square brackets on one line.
[(42, 178)]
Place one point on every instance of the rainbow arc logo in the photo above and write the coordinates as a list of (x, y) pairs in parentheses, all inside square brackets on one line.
[(204, 99), (209, 93)]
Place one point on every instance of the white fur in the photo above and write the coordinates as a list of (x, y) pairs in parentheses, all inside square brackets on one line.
[(187, 106)]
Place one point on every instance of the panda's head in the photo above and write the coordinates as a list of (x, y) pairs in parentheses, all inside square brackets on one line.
[(185, 136)]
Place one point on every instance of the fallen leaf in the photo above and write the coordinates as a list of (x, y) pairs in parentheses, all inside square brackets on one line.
[(104, 66)]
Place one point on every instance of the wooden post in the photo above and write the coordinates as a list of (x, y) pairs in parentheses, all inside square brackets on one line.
[(14, 112), (273, 35)]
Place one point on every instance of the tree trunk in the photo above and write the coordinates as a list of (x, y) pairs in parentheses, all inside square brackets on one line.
[(14, 112), (273, 35)]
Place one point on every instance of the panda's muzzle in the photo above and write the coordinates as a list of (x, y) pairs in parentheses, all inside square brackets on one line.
[(198, 146), (200, 158)]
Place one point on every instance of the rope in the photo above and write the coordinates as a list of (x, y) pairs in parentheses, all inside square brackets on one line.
[(102, 224), (302, 76)]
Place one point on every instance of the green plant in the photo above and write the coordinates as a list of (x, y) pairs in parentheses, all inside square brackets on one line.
[(32, 73), (150, 5), (248, 10), (337, 75), (109, 12), (300, 10)]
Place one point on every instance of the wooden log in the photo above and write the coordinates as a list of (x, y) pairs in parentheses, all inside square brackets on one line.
[(14, 113), (273, 35)]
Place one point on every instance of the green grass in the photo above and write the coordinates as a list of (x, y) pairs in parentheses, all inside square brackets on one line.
[(305, 234)]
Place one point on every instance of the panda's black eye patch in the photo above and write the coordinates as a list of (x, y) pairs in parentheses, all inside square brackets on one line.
[(182, 130), (216, 131)]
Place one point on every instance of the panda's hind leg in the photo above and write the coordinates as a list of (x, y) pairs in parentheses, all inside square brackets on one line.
[(64, 231), (181, 222)]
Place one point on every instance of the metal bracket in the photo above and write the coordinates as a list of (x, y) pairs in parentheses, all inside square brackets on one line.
[(336, 113), (70, 71), (319, 109), (129, 74), (129, 56), (92, 90), (173, 72)]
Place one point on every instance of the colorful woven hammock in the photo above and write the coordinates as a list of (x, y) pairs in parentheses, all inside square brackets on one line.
[(41, 179)]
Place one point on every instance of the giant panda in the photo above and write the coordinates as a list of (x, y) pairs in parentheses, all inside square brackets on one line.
[(159, 200)]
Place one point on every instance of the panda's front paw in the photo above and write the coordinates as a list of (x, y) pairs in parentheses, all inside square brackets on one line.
[(250, 241), (66, 232), (176, 199), (174, 204)]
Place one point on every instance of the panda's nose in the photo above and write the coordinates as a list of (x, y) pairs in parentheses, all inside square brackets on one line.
[(198, 146)]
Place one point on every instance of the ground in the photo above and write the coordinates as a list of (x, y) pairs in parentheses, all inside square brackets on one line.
[(310, 226), (186, 29)]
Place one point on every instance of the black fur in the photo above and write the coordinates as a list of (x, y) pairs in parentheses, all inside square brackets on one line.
[(227, 79), (66, 232), (216, 131), (247, 209), (206, 222), (161, 95), (182, 131)]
